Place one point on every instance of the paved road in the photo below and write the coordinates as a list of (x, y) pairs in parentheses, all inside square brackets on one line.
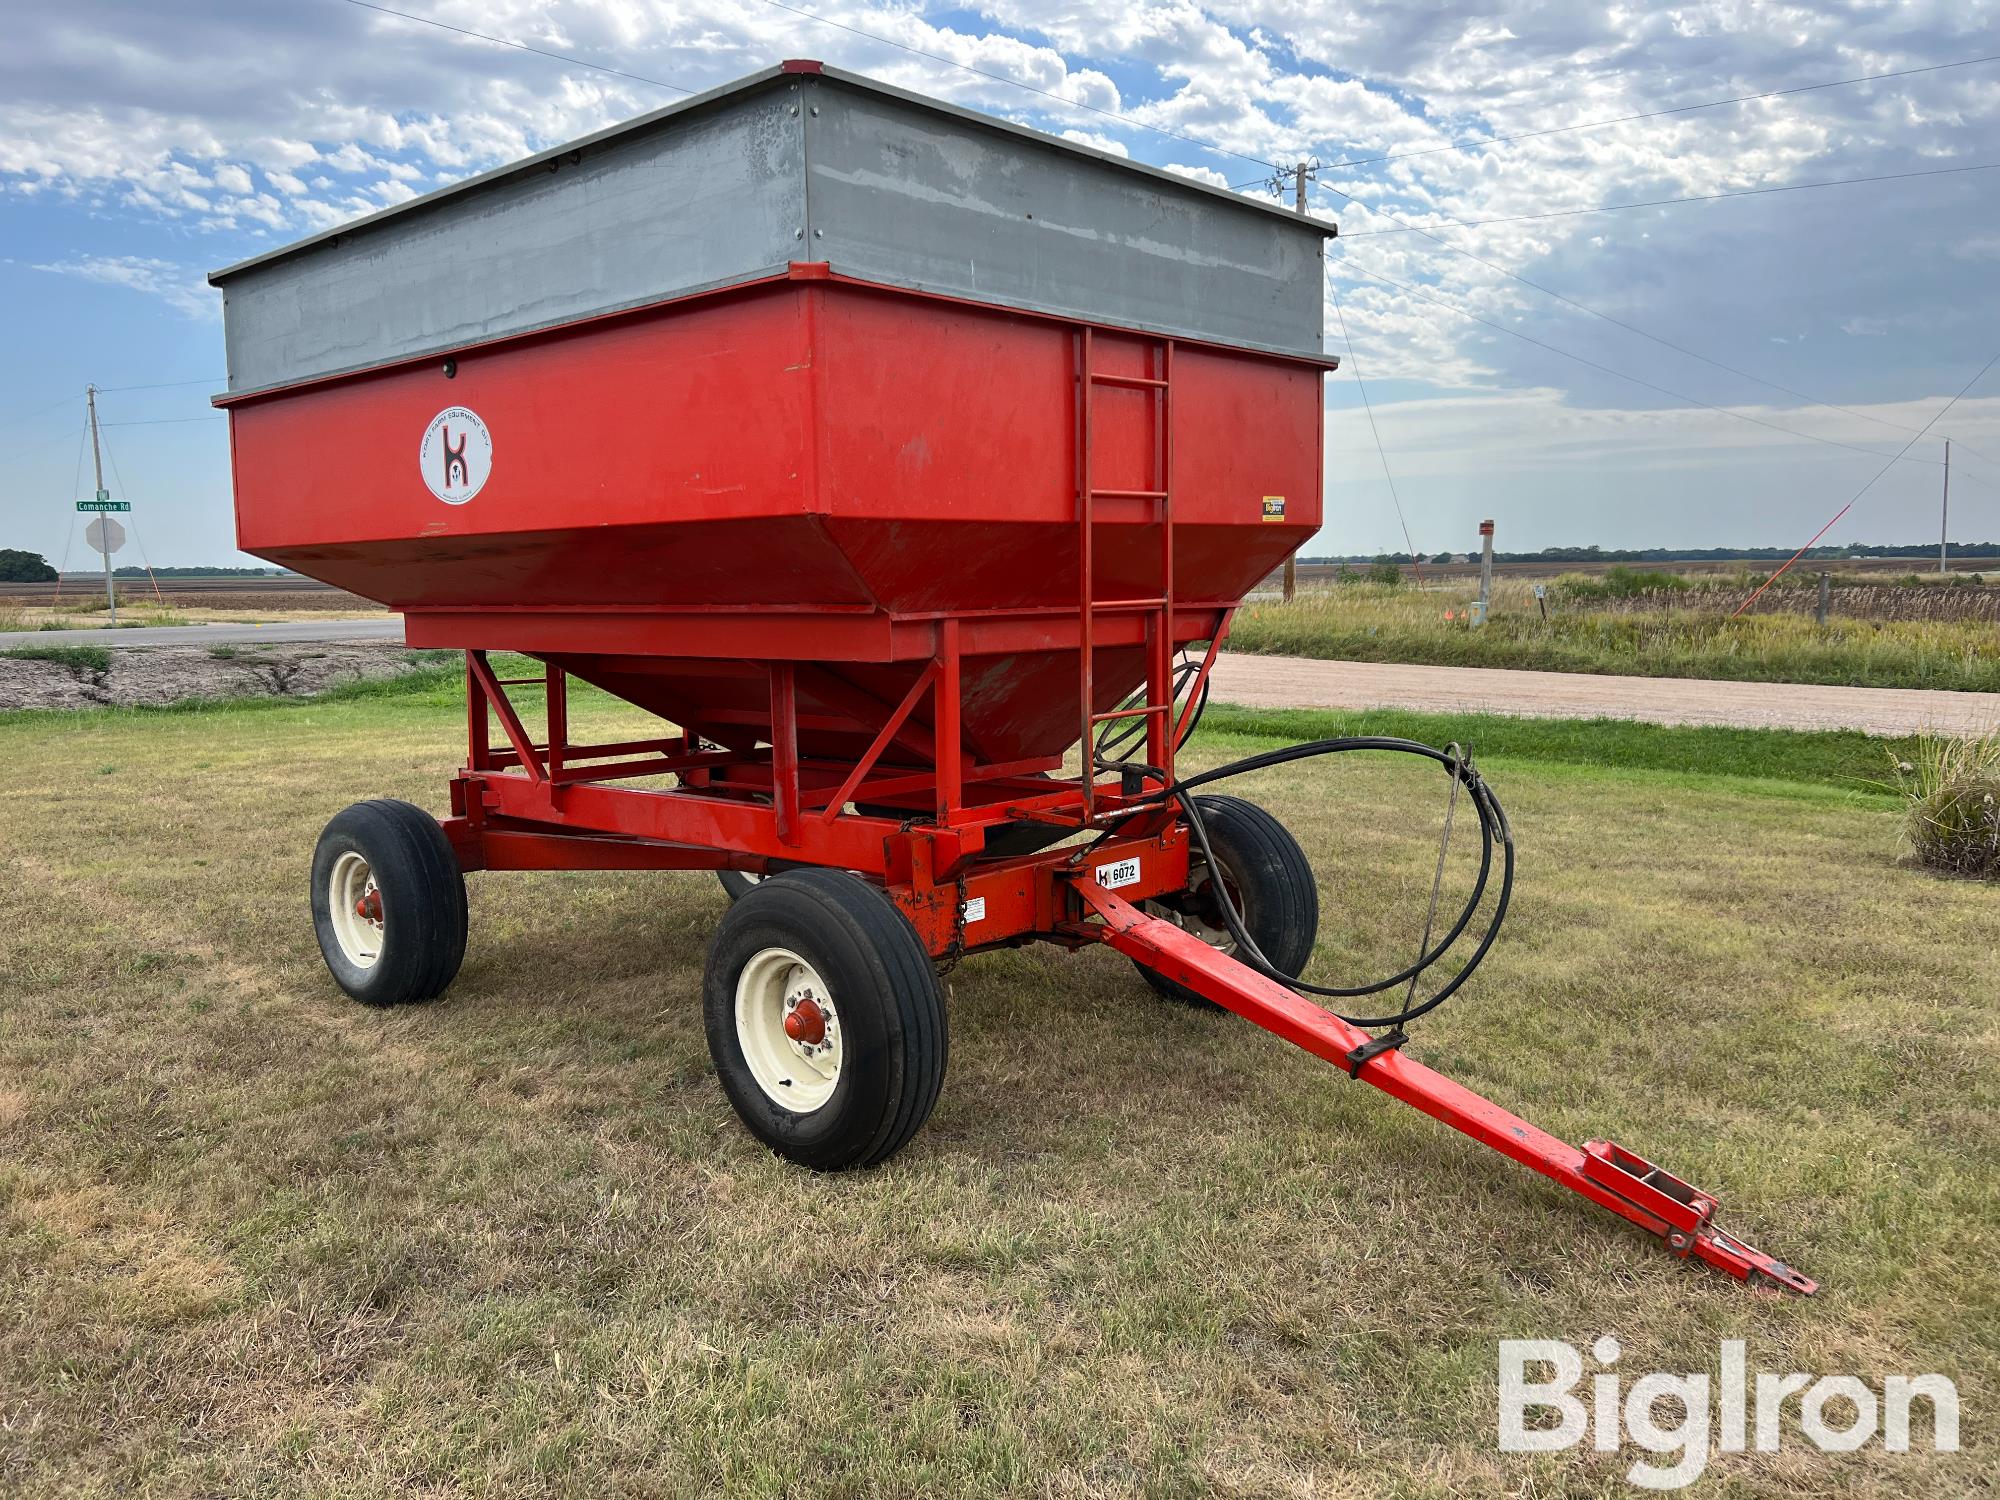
[(212, 635), (1293, 682)]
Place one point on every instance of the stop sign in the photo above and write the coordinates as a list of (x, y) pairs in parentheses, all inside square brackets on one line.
[(104, 534)]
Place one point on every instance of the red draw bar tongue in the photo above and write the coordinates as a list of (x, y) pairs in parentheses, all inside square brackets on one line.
[(1608, 1175)]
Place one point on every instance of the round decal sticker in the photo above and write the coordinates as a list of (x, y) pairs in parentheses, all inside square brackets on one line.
[(456, 455)]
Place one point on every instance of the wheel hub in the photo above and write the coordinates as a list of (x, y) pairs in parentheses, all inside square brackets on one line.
[(789, 1029), (354, 902), (805, 1022)]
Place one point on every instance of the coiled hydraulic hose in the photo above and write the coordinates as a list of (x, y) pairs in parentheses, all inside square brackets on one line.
[(1493, 828)]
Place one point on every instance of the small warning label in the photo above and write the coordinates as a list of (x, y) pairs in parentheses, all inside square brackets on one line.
[(1274, 507), (975, 910)]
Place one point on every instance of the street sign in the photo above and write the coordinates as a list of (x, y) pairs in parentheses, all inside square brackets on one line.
[(104, 535), (101, 504)]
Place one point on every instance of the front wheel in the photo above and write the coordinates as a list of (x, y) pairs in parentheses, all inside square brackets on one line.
[(1270, 879), (824, 1019), (388, 903)]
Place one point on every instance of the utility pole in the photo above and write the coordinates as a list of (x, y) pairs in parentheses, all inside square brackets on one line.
[(97, 461), (1944, 511), (1300, 175)]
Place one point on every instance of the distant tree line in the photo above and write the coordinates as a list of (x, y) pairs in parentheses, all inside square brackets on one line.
[(17, 566), (1690, 554)]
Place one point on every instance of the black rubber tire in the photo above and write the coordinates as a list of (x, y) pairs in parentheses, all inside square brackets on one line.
[(894, 1034), (423, 902), (1274, 886), (737, 884)]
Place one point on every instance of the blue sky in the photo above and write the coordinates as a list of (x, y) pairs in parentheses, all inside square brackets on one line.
[(140, 148)]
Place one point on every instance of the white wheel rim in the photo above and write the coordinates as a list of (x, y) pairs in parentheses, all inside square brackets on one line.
[(798, 1073), (354, 903)]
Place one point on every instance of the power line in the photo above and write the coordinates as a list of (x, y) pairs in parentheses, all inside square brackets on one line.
[(1620, 374), (165, 421), (16, 454), (1678, 109), (164, 385), (132, 520), (76, 490), (1867, 487), (1983, 458), (1192, 140), (27, 417), (1612, 208), (1380, 452), (502, 41), (1665, 343)]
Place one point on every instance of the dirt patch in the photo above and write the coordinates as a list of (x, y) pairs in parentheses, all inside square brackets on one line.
[(129, 676)]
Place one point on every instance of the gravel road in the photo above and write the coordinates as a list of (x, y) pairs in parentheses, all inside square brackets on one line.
[(1294, 682)]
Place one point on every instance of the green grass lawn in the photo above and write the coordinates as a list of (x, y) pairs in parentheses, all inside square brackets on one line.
[(1371, 622), (258, 1241)]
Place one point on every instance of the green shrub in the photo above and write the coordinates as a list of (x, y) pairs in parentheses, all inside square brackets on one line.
[(1620, 583), (79, 659), (1953, 789), (1386, 573)]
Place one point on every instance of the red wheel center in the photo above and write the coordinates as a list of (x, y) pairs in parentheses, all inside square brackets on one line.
[(806, 1023), (369, 907)]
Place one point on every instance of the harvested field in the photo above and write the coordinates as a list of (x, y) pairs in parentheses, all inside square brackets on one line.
[(1850, 600), (1683, 633), (228, 594)]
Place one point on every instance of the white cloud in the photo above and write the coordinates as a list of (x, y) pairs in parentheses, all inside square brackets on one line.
[(181, 289), (1097, 140)]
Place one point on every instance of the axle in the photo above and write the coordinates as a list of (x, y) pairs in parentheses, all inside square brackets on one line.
[(1619, 1180)]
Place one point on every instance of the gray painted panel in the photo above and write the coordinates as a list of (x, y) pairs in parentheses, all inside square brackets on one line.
[(715, 198), (732, 185), (914, 196)]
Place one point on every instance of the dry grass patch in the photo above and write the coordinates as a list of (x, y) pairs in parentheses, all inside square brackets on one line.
[(1952, 787), (255, 1240)]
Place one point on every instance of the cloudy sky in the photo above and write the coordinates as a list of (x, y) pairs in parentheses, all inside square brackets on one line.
[(1689, 374)]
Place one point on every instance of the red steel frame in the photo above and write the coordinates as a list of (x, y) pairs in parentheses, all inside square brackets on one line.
[(529, 803), (550, 804)]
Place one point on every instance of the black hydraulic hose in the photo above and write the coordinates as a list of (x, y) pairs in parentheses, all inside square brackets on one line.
[(1120, 742), (1492, 826)]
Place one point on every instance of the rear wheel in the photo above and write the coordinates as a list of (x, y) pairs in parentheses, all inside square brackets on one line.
[(824, 1019), (1267, 874), (388, 903)]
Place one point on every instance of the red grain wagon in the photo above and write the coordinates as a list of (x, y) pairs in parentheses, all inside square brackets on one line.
[(887, 453)]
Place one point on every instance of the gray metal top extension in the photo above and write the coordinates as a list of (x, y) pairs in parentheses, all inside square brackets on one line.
[(796, 163)]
